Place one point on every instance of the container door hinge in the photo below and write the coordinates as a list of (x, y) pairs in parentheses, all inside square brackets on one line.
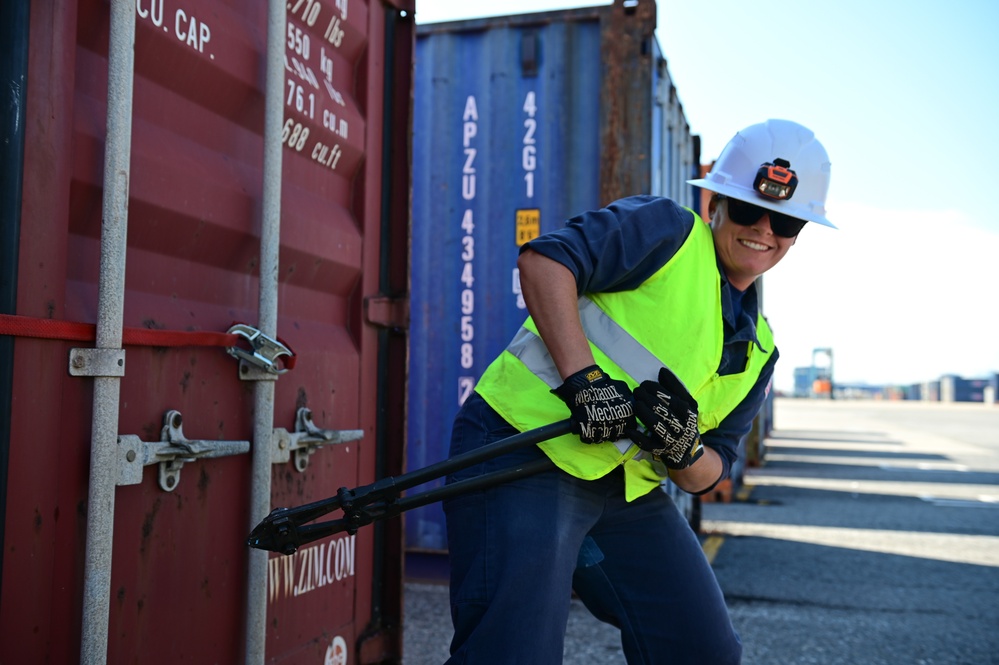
[(387, 312), (171, 452), (307, 439)]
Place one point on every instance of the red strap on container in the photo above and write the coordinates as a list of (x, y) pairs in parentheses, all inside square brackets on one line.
[(26, 326)]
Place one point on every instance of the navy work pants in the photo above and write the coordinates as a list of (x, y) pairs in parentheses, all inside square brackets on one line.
[(518, 549)]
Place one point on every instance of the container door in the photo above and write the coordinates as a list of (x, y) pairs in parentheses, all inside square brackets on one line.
[(178, 579)]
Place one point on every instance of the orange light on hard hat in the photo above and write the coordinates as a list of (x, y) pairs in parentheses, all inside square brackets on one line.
[(775, 180)]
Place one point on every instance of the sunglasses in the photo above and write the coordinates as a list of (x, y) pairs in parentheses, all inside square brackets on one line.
[(747, 214)]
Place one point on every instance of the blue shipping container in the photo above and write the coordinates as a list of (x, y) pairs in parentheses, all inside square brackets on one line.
[(520, 122)]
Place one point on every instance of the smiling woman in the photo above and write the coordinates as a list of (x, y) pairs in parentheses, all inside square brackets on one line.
[(644, 329)]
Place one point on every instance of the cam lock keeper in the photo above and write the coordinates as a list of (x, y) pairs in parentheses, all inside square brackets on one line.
[(775, 180), (264, 351)]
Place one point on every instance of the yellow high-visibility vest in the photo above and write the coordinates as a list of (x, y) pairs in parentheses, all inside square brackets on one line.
[(674, 319)]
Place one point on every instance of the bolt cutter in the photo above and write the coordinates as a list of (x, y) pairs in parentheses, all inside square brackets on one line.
[(284, 530)]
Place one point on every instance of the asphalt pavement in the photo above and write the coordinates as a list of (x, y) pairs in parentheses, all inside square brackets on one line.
[(870, 536)]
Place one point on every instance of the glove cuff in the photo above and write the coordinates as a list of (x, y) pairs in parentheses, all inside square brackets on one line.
[(577, 381)]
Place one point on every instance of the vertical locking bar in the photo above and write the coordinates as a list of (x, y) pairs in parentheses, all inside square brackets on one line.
[(110, 316), (263, 391)]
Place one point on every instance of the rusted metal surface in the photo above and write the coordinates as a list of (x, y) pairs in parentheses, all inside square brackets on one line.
[(179, 557), (627, 34)]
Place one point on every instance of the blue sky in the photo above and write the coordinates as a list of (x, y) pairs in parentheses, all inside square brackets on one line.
[(904, 96)]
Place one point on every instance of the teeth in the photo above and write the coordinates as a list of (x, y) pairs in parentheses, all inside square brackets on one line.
[(754, 245)]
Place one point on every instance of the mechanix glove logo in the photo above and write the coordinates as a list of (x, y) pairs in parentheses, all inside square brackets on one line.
[(602, 408), (670, 416), (677, 439)]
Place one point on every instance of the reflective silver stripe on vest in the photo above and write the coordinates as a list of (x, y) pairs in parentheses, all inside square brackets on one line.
[(639, 363), (617, 344), (531, 350), (606, 335)]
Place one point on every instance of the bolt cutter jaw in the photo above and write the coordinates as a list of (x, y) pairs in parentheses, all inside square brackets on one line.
[(277, 532)]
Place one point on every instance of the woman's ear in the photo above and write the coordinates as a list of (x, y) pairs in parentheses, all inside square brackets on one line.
[(712, 206)]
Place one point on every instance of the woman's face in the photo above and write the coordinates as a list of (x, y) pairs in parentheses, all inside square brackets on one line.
[(746, 252)]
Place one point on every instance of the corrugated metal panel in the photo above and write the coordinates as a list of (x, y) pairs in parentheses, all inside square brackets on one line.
[(178, 582), (519, 123)]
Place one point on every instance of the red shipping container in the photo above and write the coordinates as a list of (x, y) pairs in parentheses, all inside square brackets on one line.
[(177, 588)]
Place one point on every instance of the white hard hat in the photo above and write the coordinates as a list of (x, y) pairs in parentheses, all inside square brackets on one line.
[(778, 165)]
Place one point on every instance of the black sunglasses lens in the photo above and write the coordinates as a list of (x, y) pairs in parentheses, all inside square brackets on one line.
[(785, 226), (747, 214), (742, 213)]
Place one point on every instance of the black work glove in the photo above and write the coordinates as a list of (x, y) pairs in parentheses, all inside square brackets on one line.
[(669, 412), (602, 408)]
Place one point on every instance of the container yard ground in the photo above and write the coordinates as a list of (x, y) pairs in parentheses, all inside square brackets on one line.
[(870, 536)]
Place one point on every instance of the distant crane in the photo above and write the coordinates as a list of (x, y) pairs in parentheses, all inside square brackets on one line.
[(822, 385)]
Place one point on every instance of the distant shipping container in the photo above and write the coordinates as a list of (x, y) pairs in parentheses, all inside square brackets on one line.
[(177, 586), (520, 122), (954, 388), (930, 391)]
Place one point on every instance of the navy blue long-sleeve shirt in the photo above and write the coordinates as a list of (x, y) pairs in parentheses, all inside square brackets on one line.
[(618, 247)]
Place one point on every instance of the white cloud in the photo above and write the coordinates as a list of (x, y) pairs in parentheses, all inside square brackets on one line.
[(901, 296)]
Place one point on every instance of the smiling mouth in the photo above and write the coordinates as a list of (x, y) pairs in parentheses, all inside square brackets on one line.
[(759, 247)]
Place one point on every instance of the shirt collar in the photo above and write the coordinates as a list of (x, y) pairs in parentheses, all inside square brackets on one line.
[(743, 330)]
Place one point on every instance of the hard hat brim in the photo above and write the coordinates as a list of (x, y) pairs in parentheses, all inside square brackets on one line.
[(750, 196)]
